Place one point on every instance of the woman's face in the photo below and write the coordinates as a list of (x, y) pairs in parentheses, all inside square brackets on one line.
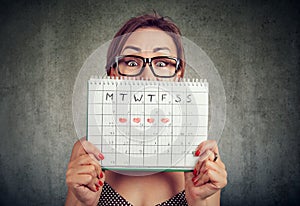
[(148, 43)]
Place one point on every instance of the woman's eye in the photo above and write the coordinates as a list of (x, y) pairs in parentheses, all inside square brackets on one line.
[(161, 64), (132, 63)]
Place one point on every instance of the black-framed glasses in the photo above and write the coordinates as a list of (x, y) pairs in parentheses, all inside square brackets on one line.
[(133, 65)]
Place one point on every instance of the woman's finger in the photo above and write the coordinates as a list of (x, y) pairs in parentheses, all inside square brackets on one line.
[(87, 169), (201, 160), (207, 145), (209, 165), (197, 169), (215, 157), (212, 156), (89, 159), (84, 178), (202, 191), (203, 178), (95, 184), (206, 155), (82, 147), (91, 149), (97, 165), (76, 180), (219, 180), (205, 190), (86, 160)]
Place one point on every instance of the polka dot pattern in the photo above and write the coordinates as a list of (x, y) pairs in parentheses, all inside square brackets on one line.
[(110, 197)]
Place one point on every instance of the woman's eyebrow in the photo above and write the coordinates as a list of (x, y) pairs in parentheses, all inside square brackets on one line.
[(132, 47), (137, 49), (161, 48)]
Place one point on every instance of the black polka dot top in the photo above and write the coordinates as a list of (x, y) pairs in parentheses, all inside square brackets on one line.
[(110, 197)]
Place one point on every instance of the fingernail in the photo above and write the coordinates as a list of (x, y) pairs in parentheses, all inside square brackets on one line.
[(101, 156), (193, 179), (197, 153), (100, 183), (195, 172), (101, 175), (97, 188), (97, 184)]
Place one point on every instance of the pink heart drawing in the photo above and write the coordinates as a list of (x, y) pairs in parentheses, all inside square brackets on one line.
[(136, 120), (122, 120), (150, 120), (164, 120)]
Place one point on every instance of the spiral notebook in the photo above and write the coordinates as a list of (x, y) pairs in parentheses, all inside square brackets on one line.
[(147, 125)]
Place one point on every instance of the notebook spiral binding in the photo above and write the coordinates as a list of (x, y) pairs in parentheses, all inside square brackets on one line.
[(146, 82)]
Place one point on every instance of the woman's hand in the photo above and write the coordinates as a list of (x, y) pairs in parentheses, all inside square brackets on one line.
[(84, 176), (203, 185)]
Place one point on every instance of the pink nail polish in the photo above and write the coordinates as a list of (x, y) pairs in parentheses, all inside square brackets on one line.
[(100, 183), (101, 156), (193, 179), (195, 172)]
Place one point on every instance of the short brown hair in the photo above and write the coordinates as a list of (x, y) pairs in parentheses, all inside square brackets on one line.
[(144, 21)]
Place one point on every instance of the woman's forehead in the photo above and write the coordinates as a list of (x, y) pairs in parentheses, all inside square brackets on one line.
[(149, 40)]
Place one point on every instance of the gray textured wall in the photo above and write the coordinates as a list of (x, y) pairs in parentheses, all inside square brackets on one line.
[(255, 47)]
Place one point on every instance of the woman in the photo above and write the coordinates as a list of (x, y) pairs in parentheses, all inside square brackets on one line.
[(145, 37)]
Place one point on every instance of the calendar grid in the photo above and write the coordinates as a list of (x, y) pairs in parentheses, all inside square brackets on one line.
[(147, 125)]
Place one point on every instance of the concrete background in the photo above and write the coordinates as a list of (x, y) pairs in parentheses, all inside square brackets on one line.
[(254, 45)]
